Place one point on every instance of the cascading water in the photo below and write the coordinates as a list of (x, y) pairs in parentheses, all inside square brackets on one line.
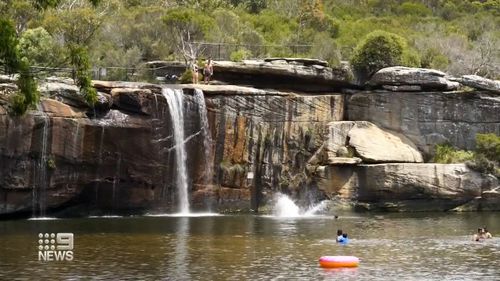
[(286, 208), (205, 129), (176, 105), (41, 178)]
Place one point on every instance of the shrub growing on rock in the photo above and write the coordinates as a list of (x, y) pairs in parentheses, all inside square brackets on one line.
[(447, 154), (382, 49), (489, 145), (187, 77), (487, 156)]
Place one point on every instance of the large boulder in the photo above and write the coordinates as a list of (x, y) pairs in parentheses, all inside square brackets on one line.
[(134, 100), (400, 78), (412, 187), (481, 83), (54, 108), (63, 92), (284, 73), (370, 143)]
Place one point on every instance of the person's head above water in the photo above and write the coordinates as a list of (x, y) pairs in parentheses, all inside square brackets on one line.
[(339, 232), (344, 235)]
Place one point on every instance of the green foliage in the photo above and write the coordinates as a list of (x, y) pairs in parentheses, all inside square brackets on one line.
[(382, 49), (188, 23), (75, 26), (489, 146), (325, 48), (28, 86), (187, 77), (51, 163), (487, 156), (433, 58), (456, 36), (17, 105), (37, 47), (80, 62), (447, 154), (240, 55), (44, 4), (9, 56), (482, 164), (414, 9)]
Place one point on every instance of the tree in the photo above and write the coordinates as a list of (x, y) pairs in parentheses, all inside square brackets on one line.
[(37, 47), (9, 57), (187, 26), (325, 48), (12, 61), (381, 49)]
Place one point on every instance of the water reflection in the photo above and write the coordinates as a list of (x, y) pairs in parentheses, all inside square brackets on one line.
[(182, 259), (392, 247)]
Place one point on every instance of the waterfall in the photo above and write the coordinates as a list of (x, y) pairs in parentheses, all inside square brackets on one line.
[(41, 179), (207, 138), (175, 105)]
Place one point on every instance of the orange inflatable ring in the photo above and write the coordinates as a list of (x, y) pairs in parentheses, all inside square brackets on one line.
[(338, 261)]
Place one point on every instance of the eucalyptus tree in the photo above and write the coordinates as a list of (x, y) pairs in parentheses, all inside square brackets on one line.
[(12, 62)]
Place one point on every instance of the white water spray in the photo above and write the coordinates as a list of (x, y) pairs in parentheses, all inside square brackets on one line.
[(286, 208), (176, 105)]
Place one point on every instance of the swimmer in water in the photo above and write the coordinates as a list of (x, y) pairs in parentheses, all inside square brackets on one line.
[(339, 235), (345, 240), (482, 233)]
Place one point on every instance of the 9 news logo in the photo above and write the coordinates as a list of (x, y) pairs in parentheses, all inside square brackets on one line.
[(55, 246)]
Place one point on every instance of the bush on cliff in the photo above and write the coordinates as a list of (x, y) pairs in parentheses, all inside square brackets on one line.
[(381, 49), (487, 157), (447, 154), (187, 77), (489, 146)]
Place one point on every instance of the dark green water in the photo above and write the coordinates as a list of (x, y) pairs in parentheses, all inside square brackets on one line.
[(391, 247)]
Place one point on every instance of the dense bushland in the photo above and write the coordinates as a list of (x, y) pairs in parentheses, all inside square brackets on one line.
[(456, 36)]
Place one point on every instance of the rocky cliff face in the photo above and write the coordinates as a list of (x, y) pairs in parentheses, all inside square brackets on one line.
[(429, 118), (66, 159), (243, 144), (412, 187)]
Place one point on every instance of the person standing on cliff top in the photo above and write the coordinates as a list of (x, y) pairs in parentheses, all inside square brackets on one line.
[(194, 70), (208, 70)]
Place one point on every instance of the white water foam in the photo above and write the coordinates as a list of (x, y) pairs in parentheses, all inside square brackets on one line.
[(286, 208), (175, 103)]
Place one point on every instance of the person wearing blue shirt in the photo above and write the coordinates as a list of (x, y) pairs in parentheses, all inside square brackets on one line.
[(339, 235), (344, 240)]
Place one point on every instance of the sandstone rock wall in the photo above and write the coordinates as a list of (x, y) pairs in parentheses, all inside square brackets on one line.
[(412, 187), (264, 141), (429, 118), (67, 159)]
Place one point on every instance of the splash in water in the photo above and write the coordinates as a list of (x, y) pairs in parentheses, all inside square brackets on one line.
[(286, 208)]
